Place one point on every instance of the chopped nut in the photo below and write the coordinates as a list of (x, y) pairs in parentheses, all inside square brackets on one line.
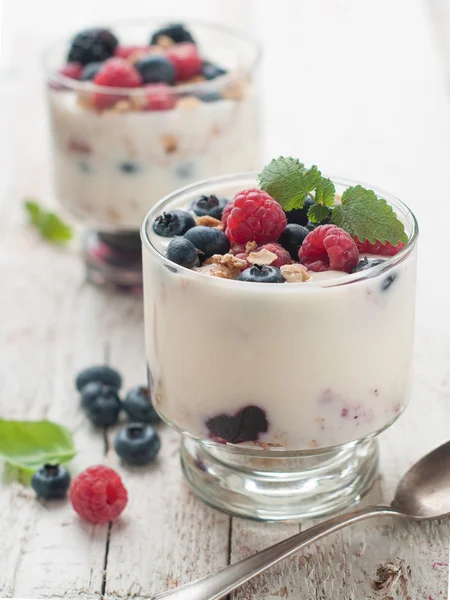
[(208, 221), (164, 41), (170, 143), (235, 91), (122, 106), (85, 100), (250, 247), (225, 266), (188, 103), (262, 257), (295, 273), (138, 102), (218, 271), (227, 260)]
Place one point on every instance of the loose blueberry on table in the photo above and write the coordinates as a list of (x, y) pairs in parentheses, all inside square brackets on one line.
[(51, 482), (138, 406), (137, 444), (291, 227)]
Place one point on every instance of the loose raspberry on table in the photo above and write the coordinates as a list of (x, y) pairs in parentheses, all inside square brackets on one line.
[(72, 70), (186, 60), (386, 249), (254, 216), (98, 494), (329, 247), (159, 97)]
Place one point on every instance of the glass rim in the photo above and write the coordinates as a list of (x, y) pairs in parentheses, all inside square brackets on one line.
[(351, 278), (88, 86)]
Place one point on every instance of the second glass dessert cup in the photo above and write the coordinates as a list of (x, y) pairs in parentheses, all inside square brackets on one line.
[(299, 379), (117, 151)]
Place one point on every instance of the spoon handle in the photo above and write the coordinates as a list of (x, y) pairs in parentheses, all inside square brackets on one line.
[(214, 587)]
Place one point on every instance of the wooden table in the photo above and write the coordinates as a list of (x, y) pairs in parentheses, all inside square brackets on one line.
[(359, 88)]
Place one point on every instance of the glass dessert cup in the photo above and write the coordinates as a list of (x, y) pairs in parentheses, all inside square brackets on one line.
[(311, 372), (111, 164)]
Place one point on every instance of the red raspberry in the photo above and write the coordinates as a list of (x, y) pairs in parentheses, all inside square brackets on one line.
[(127, 51), (98, 494), (254, 216), (72, 70), (328, 247), (186, 60), (284, 258), (386, 249), (226, 213), (159, 97), (116, 72)]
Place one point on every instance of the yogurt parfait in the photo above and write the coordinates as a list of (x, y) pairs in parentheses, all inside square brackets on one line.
[(138, 110), (279, 314)]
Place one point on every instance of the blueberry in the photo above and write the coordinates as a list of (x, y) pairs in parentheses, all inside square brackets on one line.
[(92, 45), (129, 167), (292, 238), (387, 282), (176, 222), (155, 68), (103, 373), (130, 241), (208, 240), (84, 166), (300, 215), (208, 96), (367, 263), (244, 426), (211, 71), (103, 408), (90, 71), (209, 206), (175, 31), (92, 390), (264, 274), (137, 444), (185, 169), (51, 482), (138, 406), (183, 252)]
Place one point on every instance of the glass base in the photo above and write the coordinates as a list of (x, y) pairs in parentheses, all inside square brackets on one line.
[(114, 260), (279, 488)]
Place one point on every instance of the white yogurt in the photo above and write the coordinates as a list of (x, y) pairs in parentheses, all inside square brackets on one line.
[(111, 167), (328, 361)]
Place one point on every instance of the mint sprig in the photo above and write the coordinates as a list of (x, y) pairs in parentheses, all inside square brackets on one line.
[(48, 224), (318, 212), (28, 445), (364, 215)]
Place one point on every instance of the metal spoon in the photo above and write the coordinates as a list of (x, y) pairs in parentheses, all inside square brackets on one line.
[(422, 494)]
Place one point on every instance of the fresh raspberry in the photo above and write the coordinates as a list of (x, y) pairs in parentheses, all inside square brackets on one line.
[(185, 59), (386, 249), (328, 247), (72, 70), (284, 258), (159, 97), (117, 72), (226, 213), (98, 494), (127, 51), (254, 216)]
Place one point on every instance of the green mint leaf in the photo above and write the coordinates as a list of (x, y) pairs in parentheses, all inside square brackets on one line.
[(362, 214), (28, 445), (318, 212), (325, 192), (48, 224), (288, 181)]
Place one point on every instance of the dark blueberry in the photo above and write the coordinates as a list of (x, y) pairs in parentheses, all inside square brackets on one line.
[(129, 167), (51, 482), (262, 274), (211, 71), (176, 222), (155, 68), (124, 240), (208, 240), (300, 215), (208, 96), (138, 406), (90, 71), (183, 252), (185, 169), (137, 444), (84, 166), (387, 282), (102, 409), (367, 263), (92, 45), (175, 31), (244, 426), (292, 238), (103, 373), (209, 206)]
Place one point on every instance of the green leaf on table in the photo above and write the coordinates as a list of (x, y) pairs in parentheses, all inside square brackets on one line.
[(364, 215), (28, 445), (289, 181), (48, 224), (318, 212)]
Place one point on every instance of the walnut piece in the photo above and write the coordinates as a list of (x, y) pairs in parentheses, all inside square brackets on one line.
[(188, 103), (170, 143), (225, 266), (295, 273), (208, 221), (250, 247), (262, 257), (235, 91)]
